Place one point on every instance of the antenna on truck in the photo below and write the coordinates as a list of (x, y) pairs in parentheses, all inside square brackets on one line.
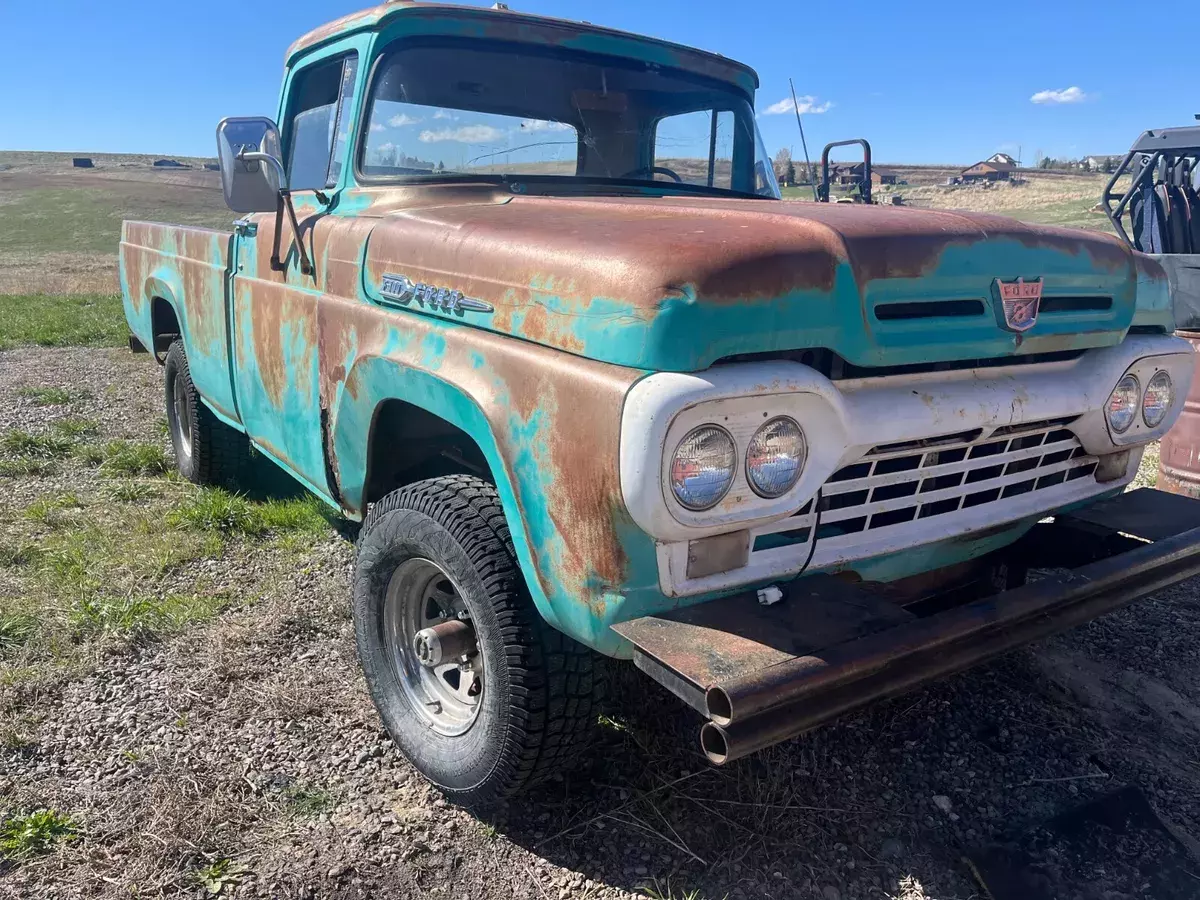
[(812, 178)]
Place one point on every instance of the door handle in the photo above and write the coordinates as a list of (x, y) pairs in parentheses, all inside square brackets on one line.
[(245, 227)]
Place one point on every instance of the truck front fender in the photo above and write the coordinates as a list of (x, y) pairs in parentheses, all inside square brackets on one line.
[(547, 426)]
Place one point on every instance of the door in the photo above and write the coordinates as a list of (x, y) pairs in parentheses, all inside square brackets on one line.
[(275, 343)]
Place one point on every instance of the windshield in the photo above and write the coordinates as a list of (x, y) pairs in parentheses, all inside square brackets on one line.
[(471, 109)]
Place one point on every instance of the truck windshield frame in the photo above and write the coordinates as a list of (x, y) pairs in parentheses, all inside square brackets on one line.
[(448, 110)]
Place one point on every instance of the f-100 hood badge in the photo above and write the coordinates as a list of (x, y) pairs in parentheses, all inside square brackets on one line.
[(1019, 302), (403, 290)]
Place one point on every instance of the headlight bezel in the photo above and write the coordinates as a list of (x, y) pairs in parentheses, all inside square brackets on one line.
[(733, 467), (803, 457), (1133, 409), (1170, 402)]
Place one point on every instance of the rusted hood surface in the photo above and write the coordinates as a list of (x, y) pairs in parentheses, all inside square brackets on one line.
[(677, 283)]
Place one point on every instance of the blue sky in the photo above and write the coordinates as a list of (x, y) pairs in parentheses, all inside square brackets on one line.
[(928, 82)]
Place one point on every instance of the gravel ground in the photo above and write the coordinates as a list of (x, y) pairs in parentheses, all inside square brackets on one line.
[(250, 738)]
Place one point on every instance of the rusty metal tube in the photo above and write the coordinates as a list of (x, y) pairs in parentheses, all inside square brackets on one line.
[(784, 700)]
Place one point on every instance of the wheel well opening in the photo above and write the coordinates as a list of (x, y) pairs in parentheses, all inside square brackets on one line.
[(164, 327), (409, 444)]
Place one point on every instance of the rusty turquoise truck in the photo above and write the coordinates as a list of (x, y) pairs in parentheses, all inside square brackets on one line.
[(521, 297)]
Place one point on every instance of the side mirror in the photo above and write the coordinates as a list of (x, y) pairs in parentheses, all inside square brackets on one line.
[(252, 172)]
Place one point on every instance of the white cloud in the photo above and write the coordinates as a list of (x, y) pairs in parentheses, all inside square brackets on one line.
[(544, 125), (399, 121), (442, 114), (1066, 95), (808, 104), (376, 127), (468, 134)]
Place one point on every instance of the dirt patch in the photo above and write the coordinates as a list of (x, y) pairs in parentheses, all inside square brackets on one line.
[(242, 753)]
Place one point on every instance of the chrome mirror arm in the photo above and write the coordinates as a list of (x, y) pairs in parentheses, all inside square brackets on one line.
[(245, 155)]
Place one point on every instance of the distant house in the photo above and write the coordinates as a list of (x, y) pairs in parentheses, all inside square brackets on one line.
[(82, 162), (170, 164), (213, 167), (853, 174), (1002, 158), (987, 171)]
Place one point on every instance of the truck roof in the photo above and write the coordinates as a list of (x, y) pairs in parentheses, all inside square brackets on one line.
[(713, 64)]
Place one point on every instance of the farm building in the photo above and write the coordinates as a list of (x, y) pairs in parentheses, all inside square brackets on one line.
[(82, 162), (853, 174), (1002, 158), (987, 171), (169, 164)]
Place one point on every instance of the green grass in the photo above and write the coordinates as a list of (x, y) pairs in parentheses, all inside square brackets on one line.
[(76, 428), (36, 833), (135, 458), (308, 802), (45, 396), (86, 218), (49, 510), (216, 510), (89, 320), (19, 443), (15, 630)]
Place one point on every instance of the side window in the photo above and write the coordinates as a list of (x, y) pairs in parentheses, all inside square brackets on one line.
[(319, 123), (696, 146)]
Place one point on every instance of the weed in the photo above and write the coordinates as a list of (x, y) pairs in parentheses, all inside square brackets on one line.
[(134, 458), (308, 802), (131, 756), (18, 443), (27, 465), (89, 454), (220, 874), (15, 630), (35, 833), (490, 831), (658, 891), (76, 428), (14, 556), (141, 618), (45, 396), (213, 509), (129, 491), (47, 510)]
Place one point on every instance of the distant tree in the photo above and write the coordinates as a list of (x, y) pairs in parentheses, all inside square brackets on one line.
[(1085, 164), (441, 166), (1110, 164), (1046, 163), (791, 172), (783, 159)]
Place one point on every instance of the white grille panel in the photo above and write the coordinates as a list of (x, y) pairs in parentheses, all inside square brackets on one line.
[(922, 480)]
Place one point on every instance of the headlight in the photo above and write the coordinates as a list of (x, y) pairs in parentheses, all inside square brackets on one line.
[(1158, 398), (703, 466), (1122, 404), (775, 458)]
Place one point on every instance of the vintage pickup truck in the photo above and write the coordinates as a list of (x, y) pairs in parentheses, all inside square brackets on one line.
[(520, 295)]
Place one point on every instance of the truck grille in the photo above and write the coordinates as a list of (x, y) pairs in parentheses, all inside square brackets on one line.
[(894, 484)]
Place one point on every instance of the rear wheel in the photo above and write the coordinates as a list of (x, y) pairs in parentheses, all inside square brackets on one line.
[(477, 691), (207, 451)]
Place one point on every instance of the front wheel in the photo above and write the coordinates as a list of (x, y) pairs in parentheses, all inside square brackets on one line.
[(476, 690)]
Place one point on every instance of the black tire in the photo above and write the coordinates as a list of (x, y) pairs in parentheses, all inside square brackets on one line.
[(541, 689), (207, 451)]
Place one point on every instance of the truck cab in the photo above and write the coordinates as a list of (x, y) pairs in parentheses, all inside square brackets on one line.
[(520, 295)]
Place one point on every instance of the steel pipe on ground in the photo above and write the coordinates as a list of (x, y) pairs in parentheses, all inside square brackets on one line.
[(884, 665)]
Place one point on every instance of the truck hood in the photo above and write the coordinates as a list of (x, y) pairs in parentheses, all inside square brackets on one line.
[(673, 283)]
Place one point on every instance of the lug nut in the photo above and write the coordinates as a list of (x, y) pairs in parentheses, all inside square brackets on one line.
[(444, 642)]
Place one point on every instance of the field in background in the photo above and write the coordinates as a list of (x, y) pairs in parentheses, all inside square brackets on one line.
[(1047, 198), (62, 224)]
